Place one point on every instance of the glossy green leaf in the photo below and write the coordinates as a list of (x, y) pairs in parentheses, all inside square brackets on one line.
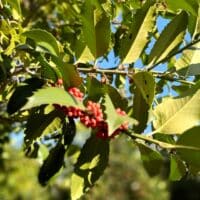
[(145, 82), (90, 165), (133, 45), (51, 95), (169, 39), (113, 119), (190, 6), (152, 160), (44, 40), (190, 137), (177, 168), (175, 115)]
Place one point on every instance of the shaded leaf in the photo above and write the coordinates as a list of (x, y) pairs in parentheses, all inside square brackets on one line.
[(47, 71), (21, 94), (90, 165), (52, 164), (68, 72), (169, 39), (140, 111), (69, 131), (152, 160), (175, 115), (190, 6), (43, 39), (44, 120), (177, 168), (190, 137)]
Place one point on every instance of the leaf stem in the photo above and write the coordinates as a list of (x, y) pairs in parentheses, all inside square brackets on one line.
[(164, 145)]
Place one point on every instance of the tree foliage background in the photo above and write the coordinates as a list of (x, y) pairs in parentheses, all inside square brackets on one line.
[(91, 84)]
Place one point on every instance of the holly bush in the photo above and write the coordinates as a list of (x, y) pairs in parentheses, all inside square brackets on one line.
[(76, 75)]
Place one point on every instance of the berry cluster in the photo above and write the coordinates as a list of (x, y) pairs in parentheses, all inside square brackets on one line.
[(92, 116)]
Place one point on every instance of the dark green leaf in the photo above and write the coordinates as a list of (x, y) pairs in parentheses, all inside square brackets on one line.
[(52, 164), (152, 160), (21, 94), (140, 111), (69, 131), (43, 120), (90, 165)]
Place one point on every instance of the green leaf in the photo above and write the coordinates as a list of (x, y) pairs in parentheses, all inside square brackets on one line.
[(96, 32), (44, 120), (190, 137), (145, 82), (169, 39), (190, 6), (51, 95), (90, 165), (177, 168), (152, 160), (188, 63), (44, 40), (140, 111), (113, 119), (16, 8), (175, 115), (133, 45), (68, 72), (95, 88), (21, 94), (47, 71), (52, 164)]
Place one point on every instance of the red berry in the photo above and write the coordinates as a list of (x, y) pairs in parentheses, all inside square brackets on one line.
[(59, 81)]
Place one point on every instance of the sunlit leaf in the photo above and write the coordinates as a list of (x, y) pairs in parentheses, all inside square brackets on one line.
[(113, 119), (175, 115), (145, 82), (169, 39), (44, 40), (138, 38), (188, 64), (51, 95)]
